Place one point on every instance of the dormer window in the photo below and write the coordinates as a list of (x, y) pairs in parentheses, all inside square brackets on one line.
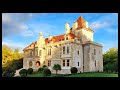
[(66, 38)]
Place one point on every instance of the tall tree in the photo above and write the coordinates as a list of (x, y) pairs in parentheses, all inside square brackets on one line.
[(7, 55), (110, 60)]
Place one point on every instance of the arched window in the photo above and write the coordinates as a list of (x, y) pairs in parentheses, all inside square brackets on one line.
[(37, 63)]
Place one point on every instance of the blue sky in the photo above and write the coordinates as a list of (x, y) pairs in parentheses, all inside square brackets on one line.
[(21, 29)]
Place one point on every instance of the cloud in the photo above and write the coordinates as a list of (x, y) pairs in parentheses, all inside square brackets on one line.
[(112, 31), (13, 45), (99, 24), (109, 44), (45, 28), (116, 14), (14, 24)]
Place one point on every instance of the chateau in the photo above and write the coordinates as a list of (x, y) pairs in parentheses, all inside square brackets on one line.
[(75, 48)]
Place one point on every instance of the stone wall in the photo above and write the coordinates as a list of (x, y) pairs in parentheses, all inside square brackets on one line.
[(93, 59), (77, 58)]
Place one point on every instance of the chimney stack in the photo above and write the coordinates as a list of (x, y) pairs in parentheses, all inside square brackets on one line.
[(67, 27)]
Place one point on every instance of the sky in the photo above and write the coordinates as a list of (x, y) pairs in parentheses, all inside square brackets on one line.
[(21, 29)]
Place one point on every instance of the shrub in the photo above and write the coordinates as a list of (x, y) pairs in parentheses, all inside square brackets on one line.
[(73, 70), (30, 71), (9, 72), (46, 72), (23, 73), (44, 66), (40, 69)]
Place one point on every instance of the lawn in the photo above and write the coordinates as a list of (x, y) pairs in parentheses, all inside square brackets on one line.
[(93, 75), (79, 75)]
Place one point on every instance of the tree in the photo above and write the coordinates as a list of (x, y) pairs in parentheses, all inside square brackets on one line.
[(56, 67), (110, 60), (16, 54), (7, 55)]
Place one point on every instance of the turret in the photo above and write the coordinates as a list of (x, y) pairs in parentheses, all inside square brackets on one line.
[(75, 25)]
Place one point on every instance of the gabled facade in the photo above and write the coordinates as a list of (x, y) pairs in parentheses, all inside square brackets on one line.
[(75, 48)]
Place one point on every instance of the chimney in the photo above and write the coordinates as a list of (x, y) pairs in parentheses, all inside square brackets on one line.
[(40, 35), (75, 25), (86, 24), (50, 37), (67, 27)]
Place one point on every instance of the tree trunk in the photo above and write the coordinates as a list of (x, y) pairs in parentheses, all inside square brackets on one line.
[(56, 72)]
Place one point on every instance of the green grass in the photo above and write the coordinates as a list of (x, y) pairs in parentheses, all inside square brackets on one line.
[(93, 75), (78, 75)]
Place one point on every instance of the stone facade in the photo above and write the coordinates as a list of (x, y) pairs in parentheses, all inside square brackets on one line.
[(75, 48)]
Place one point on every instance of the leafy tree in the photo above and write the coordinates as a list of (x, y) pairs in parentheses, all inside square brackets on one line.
[(110, 60), (7, 55), (56, 67)]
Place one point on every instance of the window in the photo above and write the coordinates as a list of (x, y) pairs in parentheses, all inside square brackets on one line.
[(66, 38), (36, 51), (78, 52), (64, 50), (94, 52), (67, 62), (49, 62), (78, 63), (67, 50), (63, 62), (40, 53), (30, 63), (30, 52), (95, 63), (50, 51)]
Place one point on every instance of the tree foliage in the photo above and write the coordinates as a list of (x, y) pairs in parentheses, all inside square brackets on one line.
[(110, 60), (56, 67), (9, 55), (11, 60)]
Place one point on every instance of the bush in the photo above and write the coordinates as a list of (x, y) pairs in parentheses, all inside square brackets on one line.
[(40, 69), (23, 73), (9, 72), (30, 71), (73, 70), (44, 66), (46, 72)]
